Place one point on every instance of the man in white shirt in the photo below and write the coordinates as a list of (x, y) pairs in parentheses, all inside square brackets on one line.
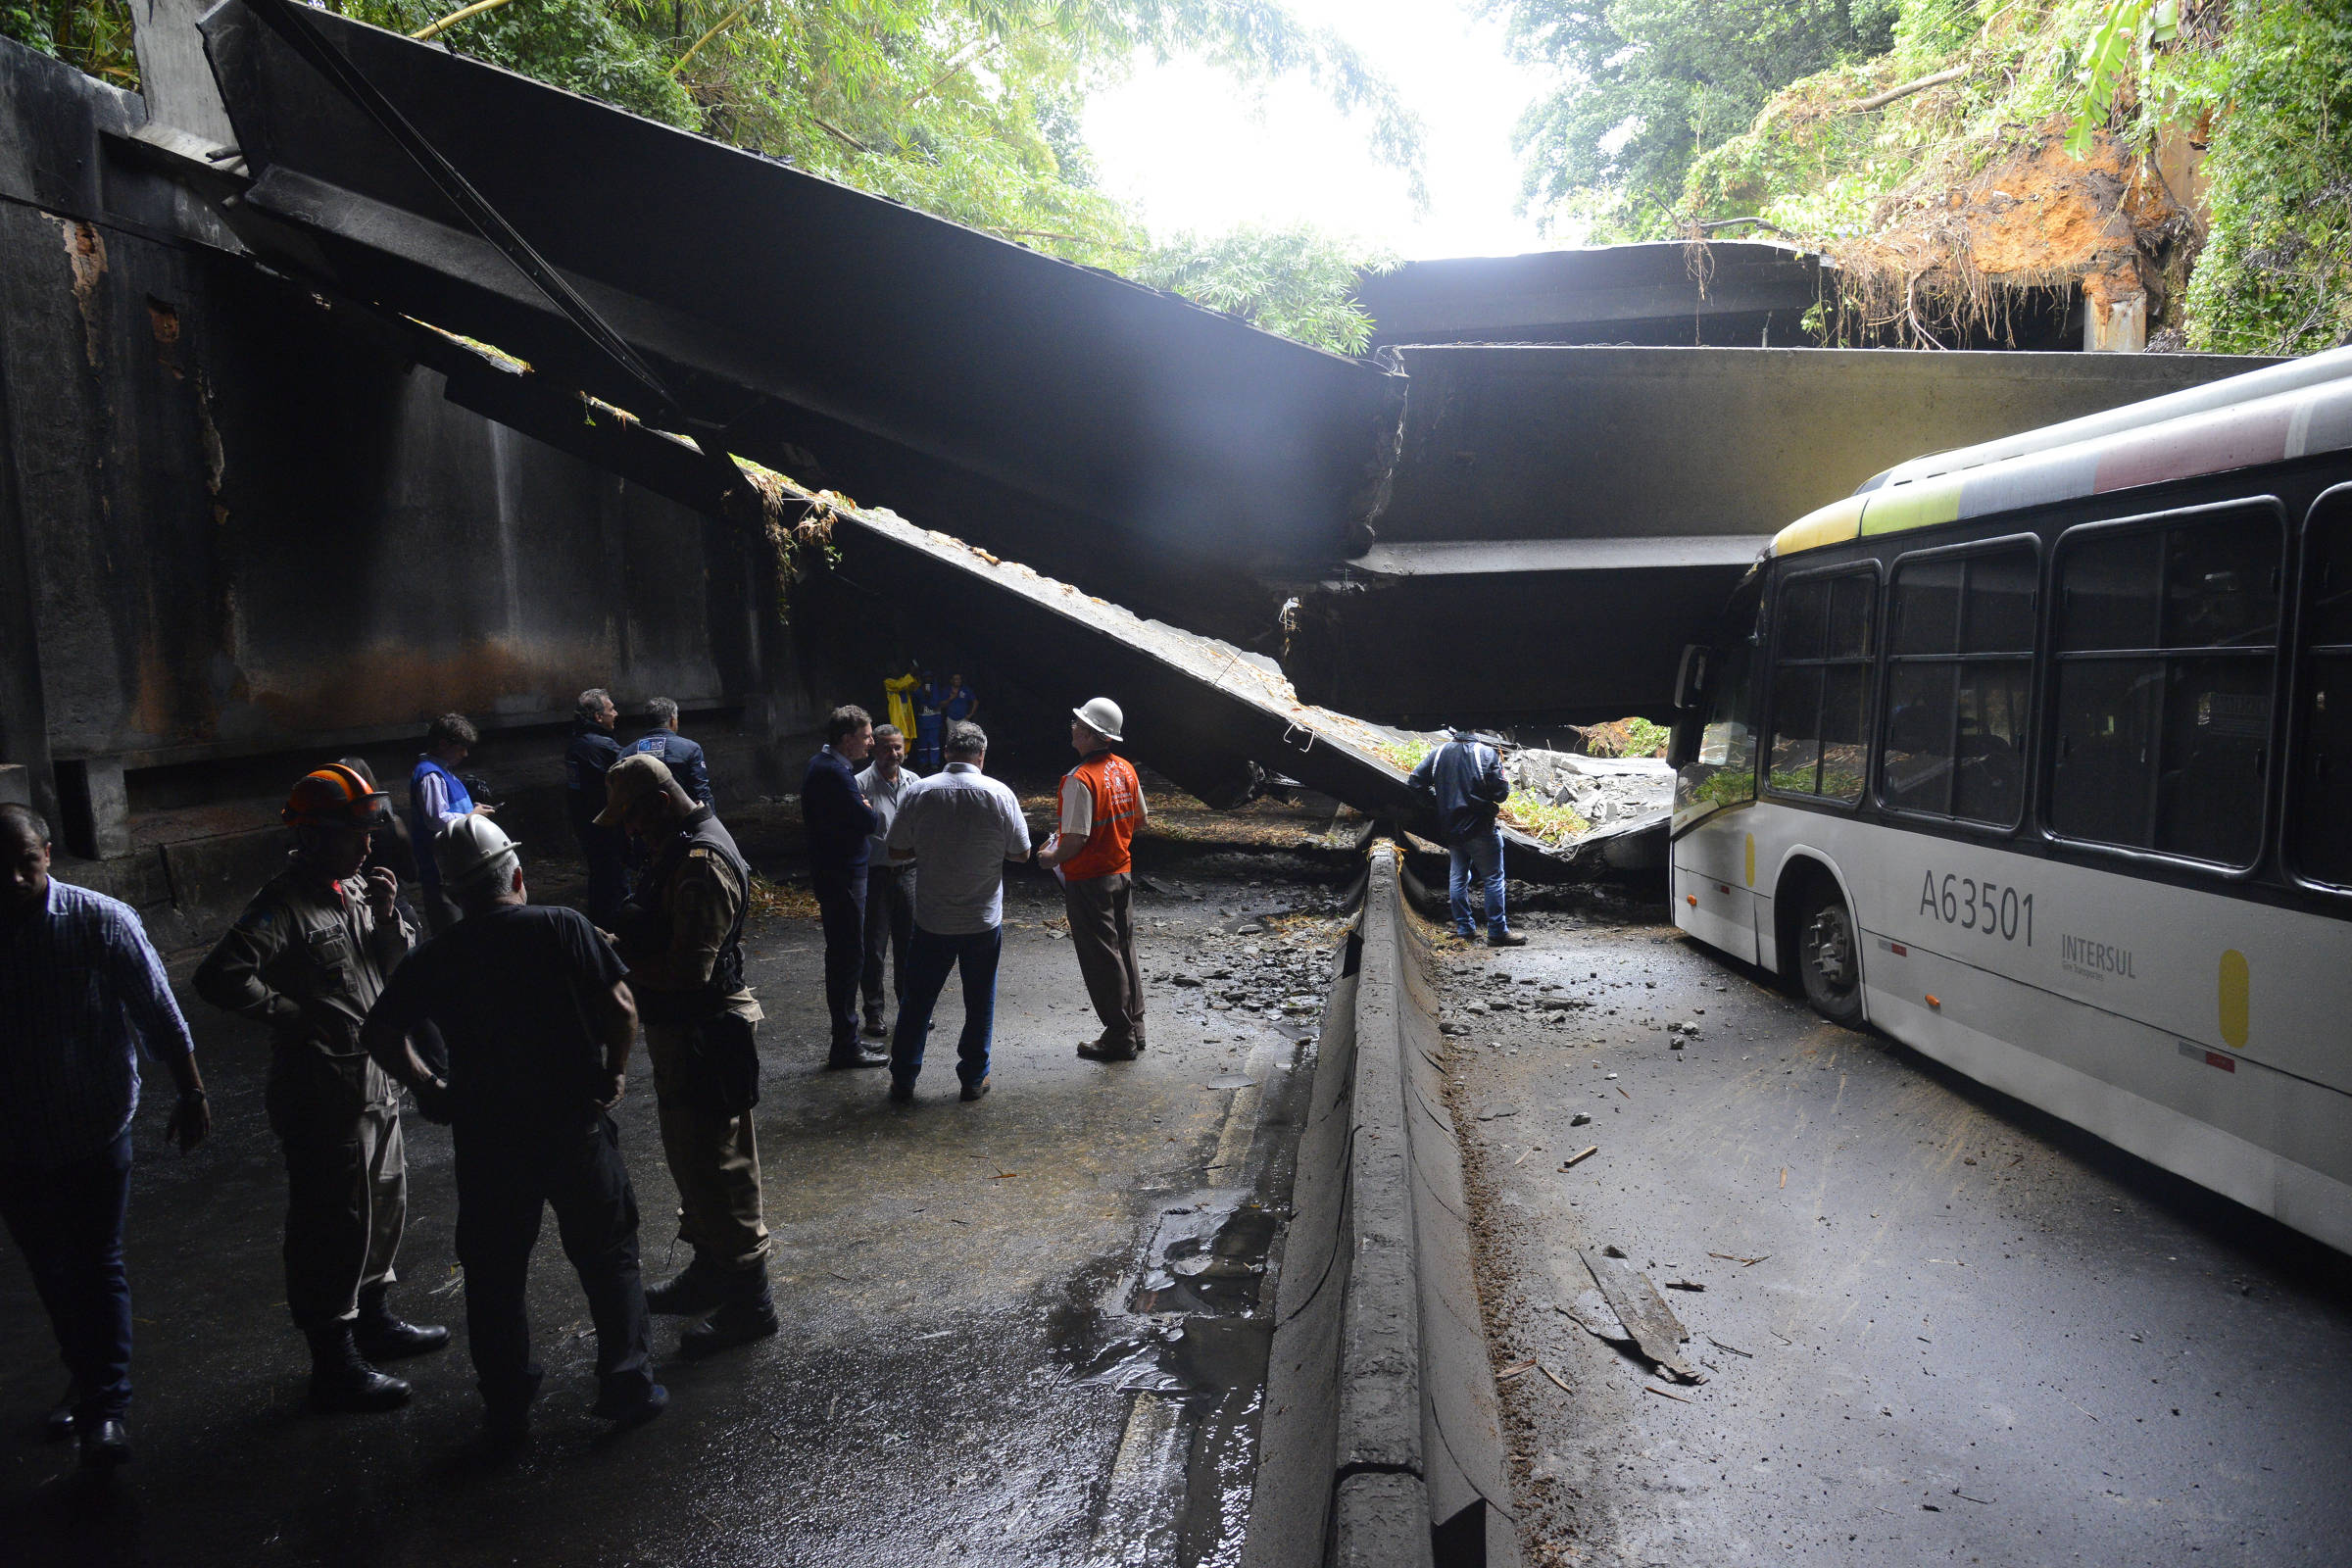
[(889, 885), (963, 826)]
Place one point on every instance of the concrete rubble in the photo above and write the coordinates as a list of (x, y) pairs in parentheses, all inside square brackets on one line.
[(1599, 789)]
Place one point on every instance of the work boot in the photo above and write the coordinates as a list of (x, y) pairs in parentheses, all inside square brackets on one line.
[(972, 1092), (341, 1378), (1506, 939), (381, 1337), (855, 1055), (1104, 1051), (690, 1293), (104, 1444), (747, 1314)]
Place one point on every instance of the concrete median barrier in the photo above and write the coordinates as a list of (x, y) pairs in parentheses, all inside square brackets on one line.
[(1381, 1446)]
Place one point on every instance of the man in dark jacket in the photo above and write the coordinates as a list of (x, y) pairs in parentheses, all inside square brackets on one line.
[(1466, 776), (590, 756), (839, 822), (682, 756)]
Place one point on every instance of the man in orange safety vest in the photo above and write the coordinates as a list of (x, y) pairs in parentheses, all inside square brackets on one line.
[(1102, 805)]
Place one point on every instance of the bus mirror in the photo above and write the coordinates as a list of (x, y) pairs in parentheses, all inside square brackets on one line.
[(1691, 681)]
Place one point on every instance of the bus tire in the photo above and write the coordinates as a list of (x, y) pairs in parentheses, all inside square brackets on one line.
[(1829, 954)]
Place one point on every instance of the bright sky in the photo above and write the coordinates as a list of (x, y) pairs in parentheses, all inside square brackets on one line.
[(1193, 149)]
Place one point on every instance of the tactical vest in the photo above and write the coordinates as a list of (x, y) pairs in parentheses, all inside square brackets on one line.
[(646, 920)]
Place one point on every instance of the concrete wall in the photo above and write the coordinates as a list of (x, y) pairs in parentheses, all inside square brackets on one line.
[(248, 535), (1544, 442)]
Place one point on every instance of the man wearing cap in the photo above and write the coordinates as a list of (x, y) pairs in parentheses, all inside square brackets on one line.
[(309, 957), (681, 934), (1101, 807), (539, 1021)]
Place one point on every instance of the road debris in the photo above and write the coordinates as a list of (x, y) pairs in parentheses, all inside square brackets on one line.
[(1518, 1369), (1583, 1119), (1657, 1333), (1733, 1348), (1664, 1395), (1743, 1262), (1684, 1285), (1579, 1154), (1558, 1381)]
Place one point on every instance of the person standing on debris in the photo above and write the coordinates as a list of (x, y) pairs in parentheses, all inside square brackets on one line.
[(1101, 807), (960, 826), (929, 725), (437, 797), (681, 935), (81, 994), (537, 1012), (682, 756), (839, 822), (1466, 776), (590, 756), (889, 885), (309, 957)]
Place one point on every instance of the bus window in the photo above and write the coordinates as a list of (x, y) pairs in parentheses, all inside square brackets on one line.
[(2167, 642), (1958, 684), (1725, 772), (2320, 828), (1821, 685)]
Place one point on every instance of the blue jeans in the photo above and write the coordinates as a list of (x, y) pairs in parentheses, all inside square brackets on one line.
[(929, 958), (1481, 856), (68, 1222)]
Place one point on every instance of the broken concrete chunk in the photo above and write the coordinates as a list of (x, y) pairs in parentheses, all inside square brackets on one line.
[(1591, 1312), (1579, 1119), (1656, 1332)]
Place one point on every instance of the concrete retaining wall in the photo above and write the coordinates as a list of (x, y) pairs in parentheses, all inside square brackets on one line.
[(1381, 1445)]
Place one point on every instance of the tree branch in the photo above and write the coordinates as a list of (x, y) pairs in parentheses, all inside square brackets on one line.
[(422, 35), (716, 28), (1880, 100)]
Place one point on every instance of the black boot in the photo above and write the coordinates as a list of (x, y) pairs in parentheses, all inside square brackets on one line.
[(747, 1314), (690, 1293), (341, 1378), (381, 1337)]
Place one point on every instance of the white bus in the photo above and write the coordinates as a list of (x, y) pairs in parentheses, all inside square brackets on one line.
[(2038, 756)]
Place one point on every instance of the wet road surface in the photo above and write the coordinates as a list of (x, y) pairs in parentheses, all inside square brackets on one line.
[(1968, 1333), (1025, 1331)]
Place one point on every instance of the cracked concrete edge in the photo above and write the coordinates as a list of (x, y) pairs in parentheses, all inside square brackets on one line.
[(1381, 1446)]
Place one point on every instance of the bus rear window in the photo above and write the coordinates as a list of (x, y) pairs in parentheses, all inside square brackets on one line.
[(2166, 659)]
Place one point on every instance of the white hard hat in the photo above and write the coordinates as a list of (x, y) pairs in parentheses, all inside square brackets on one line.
[(1102, 715), (469, 847)]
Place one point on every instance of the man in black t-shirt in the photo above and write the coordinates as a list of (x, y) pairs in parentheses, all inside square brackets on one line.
[(536, 1010)]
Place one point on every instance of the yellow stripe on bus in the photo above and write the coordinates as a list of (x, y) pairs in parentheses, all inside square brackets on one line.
[(1833, 524)]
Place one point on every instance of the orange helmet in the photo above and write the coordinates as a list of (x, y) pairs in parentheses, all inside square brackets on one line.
[(334, 796)]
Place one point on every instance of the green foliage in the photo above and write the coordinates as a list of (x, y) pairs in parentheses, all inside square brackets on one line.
[(1297, 280), (1540, 818), (2126, 36), (2275, 275), (93, 34), (1647, 86)]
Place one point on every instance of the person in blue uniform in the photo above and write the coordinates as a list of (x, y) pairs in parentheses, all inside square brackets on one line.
[(682, 756), (590, 756)]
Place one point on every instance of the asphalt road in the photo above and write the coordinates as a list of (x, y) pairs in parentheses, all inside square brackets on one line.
[(1935, 1324), (1026, 1331)]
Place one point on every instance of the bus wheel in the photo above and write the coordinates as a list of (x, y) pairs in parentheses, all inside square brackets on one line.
[(1829, 958)]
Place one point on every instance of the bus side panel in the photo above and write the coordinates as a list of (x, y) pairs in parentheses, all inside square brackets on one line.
[(1711, 898), (2270, 1141)]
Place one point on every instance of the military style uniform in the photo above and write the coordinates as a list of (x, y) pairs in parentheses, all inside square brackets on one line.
[(309, 957), (682, 936)]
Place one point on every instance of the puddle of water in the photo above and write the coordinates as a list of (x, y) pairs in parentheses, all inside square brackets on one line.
[(1207, 1259)]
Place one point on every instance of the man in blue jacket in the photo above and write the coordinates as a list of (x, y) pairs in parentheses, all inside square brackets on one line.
[(1466, 776), (437, 797), (682, 756), (590, 756), (839, 823)]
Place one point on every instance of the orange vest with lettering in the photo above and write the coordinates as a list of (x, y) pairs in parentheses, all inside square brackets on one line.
[(1118, 805)]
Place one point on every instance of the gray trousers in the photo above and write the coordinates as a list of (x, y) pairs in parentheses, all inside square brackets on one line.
[(1102, 933), (347, 1179), (889, 927)]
